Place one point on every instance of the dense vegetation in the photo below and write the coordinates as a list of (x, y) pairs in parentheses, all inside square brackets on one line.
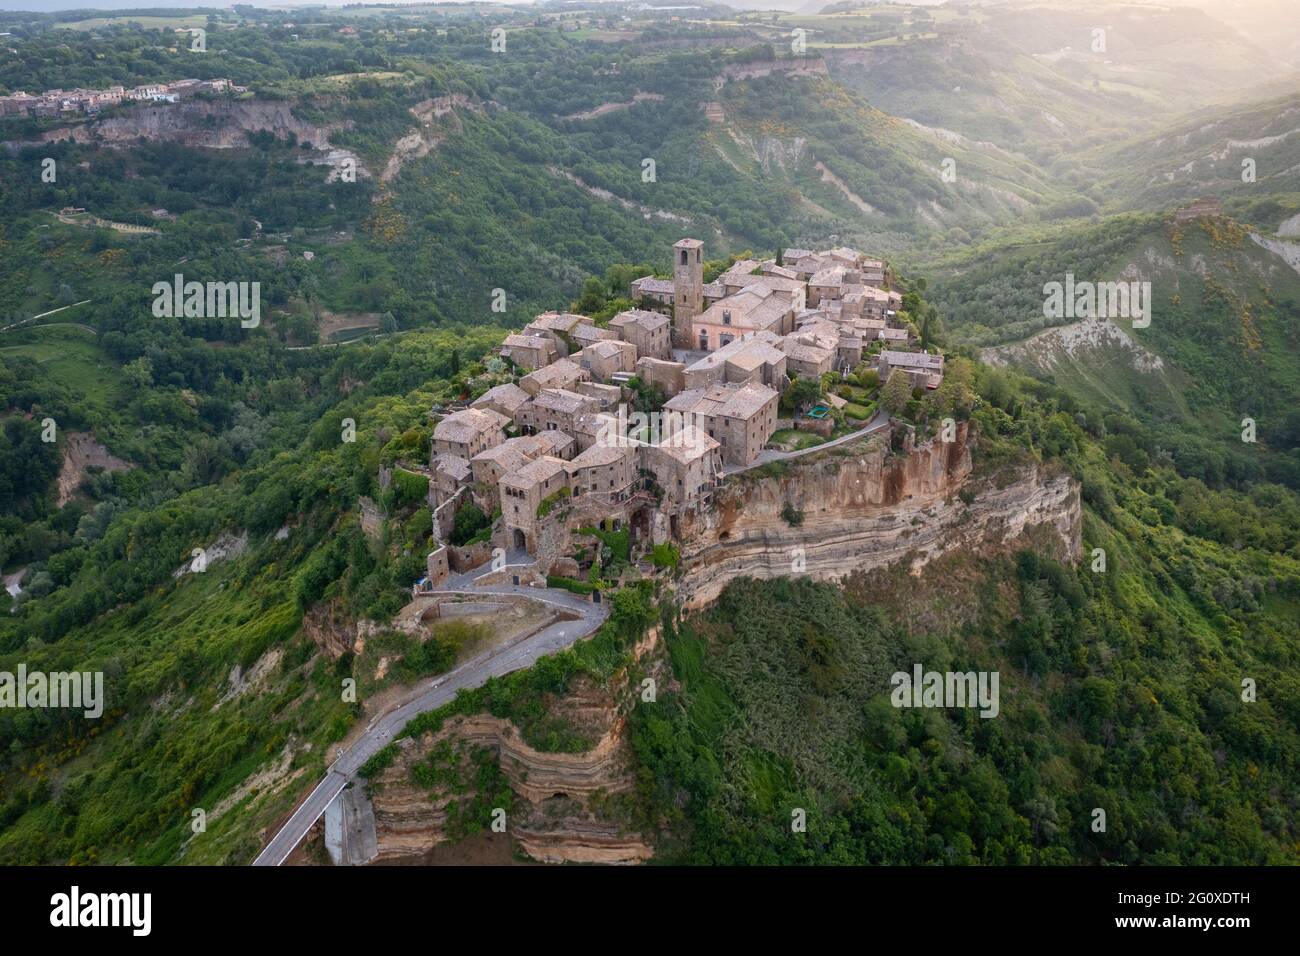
[(1120, 690), (267, 445)]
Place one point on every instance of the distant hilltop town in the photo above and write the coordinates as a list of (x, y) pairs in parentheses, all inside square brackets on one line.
[(716, 358), (59, 102)]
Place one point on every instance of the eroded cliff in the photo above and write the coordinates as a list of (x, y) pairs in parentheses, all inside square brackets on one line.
[(861, 507), (558, 813)]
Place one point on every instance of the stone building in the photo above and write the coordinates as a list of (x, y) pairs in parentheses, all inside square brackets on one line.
[(755, 357), (605, 472), (558, 327), (925, 369), (528, 351), (669, 377), (688, 288), (755, 308), (522, 493), (604, 360), (650, 332), (685, 465), (489, 467), (466, 433), (741, 418), (564, 373), (555, 409), (504, 400)]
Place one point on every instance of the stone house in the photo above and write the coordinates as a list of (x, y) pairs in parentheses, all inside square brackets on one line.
[(606, 359), (503, 399), (587, 334), (605, 472), (607, 395), (806, 358), (556, 409), (466, 433), (755, 357), (685, 465), (827, 283), (925, 369), (650, 332), (668, 376), (559, 328), (521, 494), (528, 351), (489, 467), (740, 418), (564, 373)]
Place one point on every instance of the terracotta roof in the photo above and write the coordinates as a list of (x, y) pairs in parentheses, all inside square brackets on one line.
[(535, 472), (640, 317), (687, 444), (452, 465), (509, 396), (921, 360), (516, 341), (465, 426), (562, 400), (722, 401), (649, 284), (558, 321)]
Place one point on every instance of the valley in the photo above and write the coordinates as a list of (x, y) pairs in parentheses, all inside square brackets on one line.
[(400, 602)]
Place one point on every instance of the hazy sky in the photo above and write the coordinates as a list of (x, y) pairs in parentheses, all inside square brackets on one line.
[(46, 5)]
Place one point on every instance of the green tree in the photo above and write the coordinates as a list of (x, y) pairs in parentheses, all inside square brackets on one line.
[(897, 392)]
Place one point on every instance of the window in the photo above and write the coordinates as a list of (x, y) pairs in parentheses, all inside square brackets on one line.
[(684, 259)]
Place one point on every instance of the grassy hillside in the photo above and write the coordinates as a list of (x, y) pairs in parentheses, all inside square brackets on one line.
[(1221, 345)]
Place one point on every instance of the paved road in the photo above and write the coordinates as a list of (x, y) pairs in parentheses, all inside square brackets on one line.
[(439, 691), (44, 314), (877, 422)]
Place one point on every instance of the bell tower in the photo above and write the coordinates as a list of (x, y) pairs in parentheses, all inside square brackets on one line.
[(688, 288)]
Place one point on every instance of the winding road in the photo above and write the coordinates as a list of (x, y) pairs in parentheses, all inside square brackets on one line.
[(475, 672), (439, 691)]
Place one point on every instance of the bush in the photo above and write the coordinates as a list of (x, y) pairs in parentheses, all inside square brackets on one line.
[(792, 515), (665, 556), (470, 521), (570, 584)]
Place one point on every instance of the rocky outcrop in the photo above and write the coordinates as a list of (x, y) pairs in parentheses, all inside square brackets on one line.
[(556, 816), (80, 453), (429, 134), (861, 507), (213, 124), (332, 629)]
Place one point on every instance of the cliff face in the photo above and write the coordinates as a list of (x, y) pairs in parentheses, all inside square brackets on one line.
[(863, 508), (213, 124), (556, 816)]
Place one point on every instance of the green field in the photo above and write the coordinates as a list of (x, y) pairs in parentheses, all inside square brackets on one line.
[(148, 22), (69, 355)]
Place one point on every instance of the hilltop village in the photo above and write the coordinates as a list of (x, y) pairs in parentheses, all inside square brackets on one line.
[(707, 368), (58, 102)]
